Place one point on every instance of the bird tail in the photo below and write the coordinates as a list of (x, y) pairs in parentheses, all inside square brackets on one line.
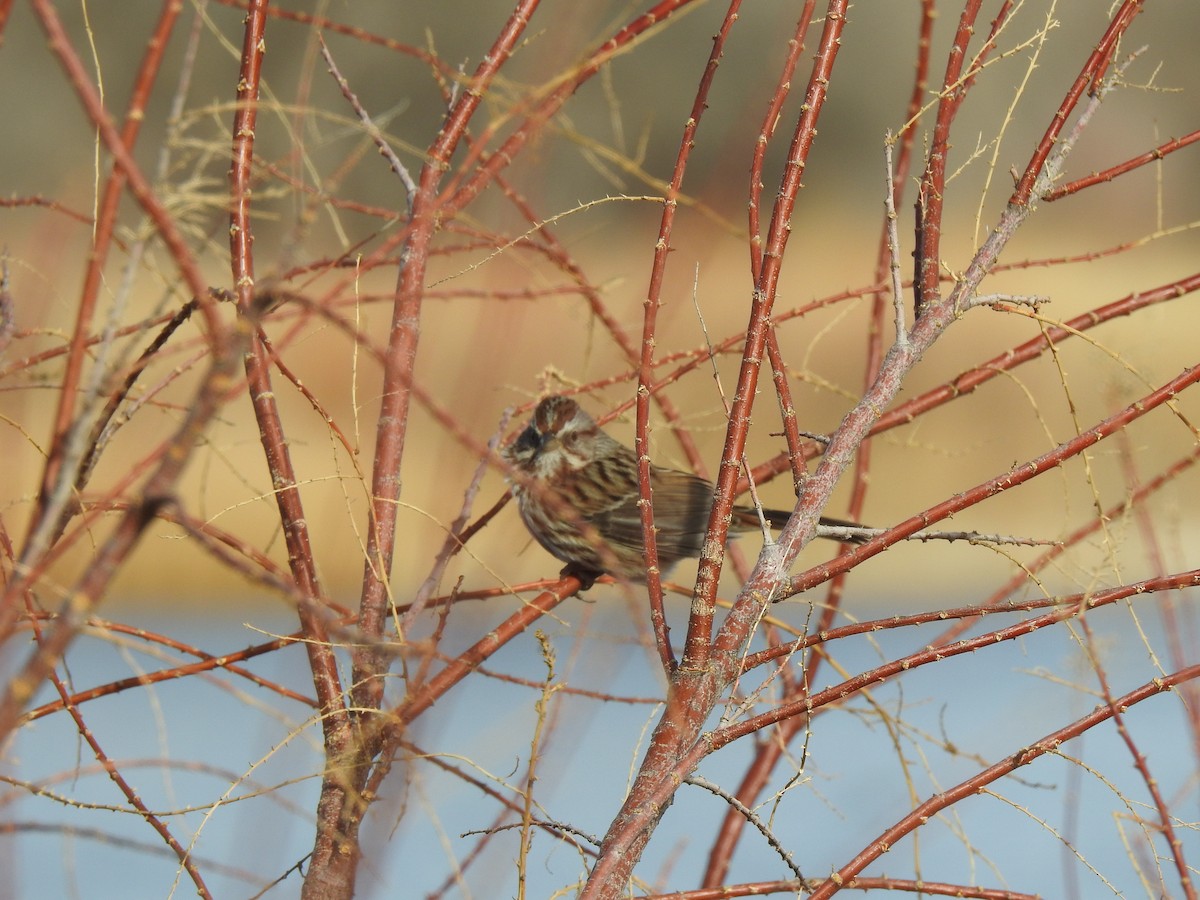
[(747, 517)]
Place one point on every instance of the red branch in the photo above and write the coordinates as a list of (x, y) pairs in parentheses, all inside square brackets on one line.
[(1019, 475), (658, 270), (1049, 744), (1096, 63)]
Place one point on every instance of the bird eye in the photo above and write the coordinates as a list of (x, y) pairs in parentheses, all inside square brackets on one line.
[(528, 443)]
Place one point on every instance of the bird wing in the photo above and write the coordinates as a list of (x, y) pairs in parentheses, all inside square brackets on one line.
[(681, 505)]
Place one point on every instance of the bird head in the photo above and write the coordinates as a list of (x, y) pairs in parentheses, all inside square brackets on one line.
[(559, 433)]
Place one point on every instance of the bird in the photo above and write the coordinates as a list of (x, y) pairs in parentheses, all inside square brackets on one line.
[(576, 490)]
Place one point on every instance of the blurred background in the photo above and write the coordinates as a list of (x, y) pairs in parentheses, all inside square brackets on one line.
[(507, 317), (487, 347)]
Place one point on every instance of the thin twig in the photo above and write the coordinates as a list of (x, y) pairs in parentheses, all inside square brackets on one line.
[(751, 817), (893, 244), (385, 149)]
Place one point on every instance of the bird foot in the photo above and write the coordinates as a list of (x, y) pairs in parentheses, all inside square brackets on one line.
[(587, 577)]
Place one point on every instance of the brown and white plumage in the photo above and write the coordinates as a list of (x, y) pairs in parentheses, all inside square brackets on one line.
[(577, 493)]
